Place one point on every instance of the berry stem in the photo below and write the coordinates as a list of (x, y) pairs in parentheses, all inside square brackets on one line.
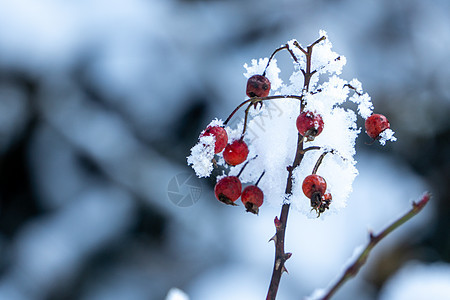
[(280, 223), (319, 161), (246, 118), (353, 269), (264, 172), (311, 148), (242, 170)]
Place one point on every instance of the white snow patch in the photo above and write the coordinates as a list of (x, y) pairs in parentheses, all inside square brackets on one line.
[(176, 294), (201, 156), (387, 135)]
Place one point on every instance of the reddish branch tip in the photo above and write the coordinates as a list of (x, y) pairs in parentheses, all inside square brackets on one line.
[(422, 202), (228, 190), (220, 134), (258, 86), (376, 124), (236, 152)]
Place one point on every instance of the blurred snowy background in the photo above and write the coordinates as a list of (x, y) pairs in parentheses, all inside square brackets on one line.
[(100, 102)]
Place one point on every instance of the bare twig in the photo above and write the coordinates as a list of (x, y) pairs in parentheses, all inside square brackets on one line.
[(277, 50), (353, 269), (353, 88), (320, 159)]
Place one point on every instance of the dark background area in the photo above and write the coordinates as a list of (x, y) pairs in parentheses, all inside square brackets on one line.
[(100, 103)]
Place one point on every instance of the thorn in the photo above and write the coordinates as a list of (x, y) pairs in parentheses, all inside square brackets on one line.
[(277, 223), (288, 255), (274, 239), (371, 235), (215, 163), (283, 269)]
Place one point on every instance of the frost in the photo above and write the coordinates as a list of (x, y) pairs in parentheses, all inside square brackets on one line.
[(387, 135), (257, 67), (272, 72), (201, 156), (215, 122), (176, 294), (363, 100), (365, 106)]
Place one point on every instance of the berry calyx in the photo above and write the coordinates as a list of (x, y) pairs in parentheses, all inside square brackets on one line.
[(258, 86), (236, 152), (309, 124), (228, 190), (325, 204), (313, 184), (376, 124), (220, 134), (252, 197)]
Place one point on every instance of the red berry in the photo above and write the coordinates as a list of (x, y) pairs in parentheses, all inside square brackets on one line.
[(309, 124), (258, 86), (252, 197), (220, 134), (236, 152), (228, 189), (314, 184), (375, 124)]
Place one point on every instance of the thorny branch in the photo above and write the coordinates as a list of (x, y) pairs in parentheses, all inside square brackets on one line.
[(280, 223)]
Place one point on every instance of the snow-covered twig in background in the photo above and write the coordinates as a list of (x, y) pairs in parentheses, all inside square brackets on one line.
[(354, 268)]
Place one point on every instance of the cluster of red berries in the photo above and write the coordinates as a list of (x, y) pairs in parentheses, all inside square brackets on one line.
[(309, 125), (234, 153), (229, 189)]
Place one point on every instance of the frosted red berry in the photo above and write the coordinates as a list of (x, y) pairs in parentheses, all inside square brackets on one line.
[(228, 189), (314, 184), (309, 124), (258, 86), (252, 197), (221, 136), (236, 152), (376, 124)]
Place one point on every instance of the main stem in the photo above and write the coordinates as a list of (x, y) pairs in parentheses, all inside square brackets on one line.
[(280, 223)]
